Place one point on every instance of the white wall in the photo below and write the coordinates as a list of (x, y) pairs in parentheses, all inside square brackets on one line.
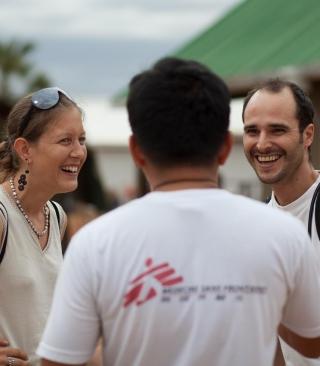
[(238, 176), (119, 174), (108, 131), (117, 171)]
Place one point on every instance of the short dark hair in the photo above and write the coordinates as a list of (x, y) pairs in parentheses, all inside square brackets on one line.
[(179, 112), (304, 106)]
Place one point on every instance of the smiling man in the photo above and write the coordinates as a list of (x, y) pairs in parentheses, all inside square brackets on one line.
[(278, 132)]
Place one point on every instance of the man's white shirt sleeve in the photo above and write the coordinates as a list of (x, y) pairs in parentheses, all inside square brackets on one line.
[(72, 329)]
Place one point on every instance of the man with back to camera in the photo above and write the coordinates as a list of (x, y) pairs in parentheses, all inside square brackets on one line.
[(189, 274), (278, 132)]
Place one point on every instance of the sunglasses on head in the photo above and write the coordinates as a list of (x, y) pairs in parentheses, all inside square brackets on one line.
[(42, 99)]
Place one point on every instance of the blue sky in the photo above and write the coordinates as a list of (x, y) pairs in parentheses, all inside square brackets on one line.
[(93, 47)]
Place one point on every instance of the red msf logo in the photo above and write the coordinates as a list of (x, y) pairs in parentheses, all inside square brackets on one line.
[(161, 274)]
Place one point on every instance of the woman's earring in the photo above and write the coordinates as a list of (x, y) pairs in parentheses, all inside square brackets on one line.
[(22, 179)]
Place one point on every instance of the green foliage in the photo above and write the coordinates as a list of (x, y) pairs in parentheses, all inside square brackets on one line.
[(39, 81), (14, 64)]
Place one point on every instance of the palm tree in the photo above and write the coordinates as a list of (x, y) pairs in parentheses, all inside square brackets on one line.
[(39, 81), (13, 65)]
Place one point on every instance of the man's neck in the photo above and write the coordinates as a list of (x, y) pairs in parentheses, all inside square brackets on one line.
[(287, 192), (183, 178), (185, 183)]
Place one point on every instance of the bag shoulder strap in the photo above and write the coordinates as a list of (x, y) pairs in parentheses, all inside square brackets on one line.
[(54, 205), (317, 214), (61, 217), (315, 207), (3, 246)]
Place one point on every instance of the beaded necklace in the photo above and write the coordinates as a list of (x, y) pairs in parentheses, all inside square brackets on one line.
[(45, 211)]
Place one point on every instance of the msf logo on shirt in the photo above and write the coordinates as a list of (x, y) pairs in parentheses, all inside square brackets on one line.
[(144, 286)]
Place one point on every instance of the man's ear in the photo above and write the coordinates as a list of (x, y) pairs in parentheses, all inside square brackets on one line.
[(136, 152), (308, 134), (225, 148), (22, 148)]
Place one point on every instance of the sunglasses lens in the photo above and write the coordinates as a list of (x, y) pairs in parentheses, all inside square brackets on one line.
[(45, 98)]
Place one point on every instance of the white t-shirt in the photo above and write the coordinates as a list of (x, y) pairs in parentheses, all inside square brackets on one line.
[(300, 209), (27, 279), (184, 278)]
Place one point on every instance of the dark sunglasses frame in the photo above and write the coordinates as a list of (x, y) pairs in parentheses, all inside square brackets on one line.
[(42, 99)]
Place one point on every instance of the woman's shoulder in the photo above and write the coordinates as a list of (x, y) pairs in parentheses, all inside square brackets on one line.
[(60, 216)]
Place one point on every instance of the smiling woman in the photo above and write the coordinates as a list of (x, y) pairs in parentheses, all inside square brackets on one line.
[(41, 156)]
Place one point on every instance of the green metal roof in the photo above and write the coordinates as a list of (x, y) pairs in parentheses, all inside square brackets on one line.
[(259, 36)]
